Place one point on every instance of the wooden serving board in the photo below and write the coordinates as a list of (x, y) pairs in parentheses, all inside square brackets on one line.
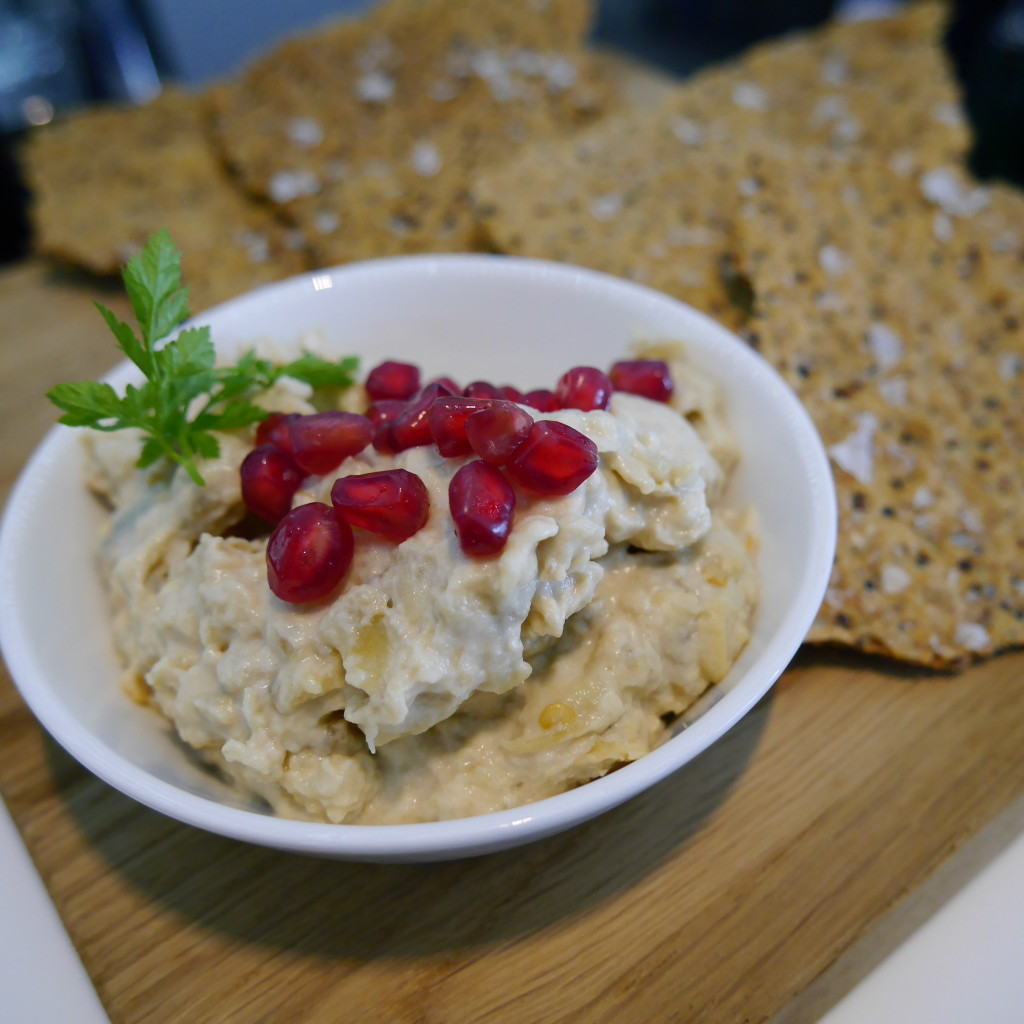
[(755, 884)]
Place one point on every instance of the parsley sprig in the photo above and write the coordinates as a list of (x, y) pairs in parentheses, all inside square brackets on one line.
[(185, 396)]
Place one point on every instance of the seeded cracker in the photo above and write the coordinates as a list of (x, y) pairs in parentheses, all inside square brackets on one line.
[(652, 194), (881, 85), (895, 306), (628, 199), (103, 181), (366, 134)]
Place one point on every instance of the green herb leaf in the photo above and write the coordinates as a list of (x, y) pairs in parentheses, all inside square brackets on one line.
[(185, 396), (191, 354), (320, 373), (153, 283), (134, 349), (86, 403)]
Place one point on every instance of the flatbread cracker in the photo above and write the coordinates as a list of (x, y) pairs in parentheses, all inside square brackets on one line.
[(366, 135), (652, 194), (630, 199), (882, 85), (894, 305), (103, 181)]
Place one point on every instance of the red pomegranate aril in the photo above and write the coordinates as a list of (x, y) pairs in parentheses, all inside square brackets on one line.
[(448, 417), (482, 504), (308, 553), (584, 387), (510, 394), (274, 430), (381, 414), (322, 441), (496, 433), (385, 410), (650, 378), (448, 383), (554, 460), (383, 438), (481, 389), (269, 481), (542, 400), (411, 427), (394, 503), (393, 380)]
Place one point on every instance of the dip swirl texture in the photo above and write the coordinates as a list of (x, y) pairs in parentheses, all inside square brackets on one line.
[(432, 685)]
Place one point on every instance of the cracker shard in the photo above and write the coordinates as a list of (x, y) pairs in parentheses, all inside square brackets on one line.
[(655, 194), (104, 180), (906, 379), (412, 100)]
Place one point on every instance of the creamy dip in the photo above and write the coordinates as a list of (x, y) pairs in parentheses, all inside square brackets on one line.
[(433, 685)]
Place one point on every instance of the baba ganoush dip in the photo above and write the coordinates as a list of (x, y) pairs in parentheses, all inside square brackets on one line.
[(432, 685)]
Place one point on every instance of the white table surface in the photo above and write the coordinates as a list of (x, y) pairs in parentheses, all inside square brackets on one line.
[(964, 965)]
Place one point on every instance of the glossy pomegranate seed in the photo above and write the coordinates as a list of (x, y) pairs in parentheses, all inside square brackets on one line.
[(497, 432), (274, 430), (383, 439), (650, 378), (542, 400), (411, 427), (393, 380), (394, 503), (448, 417), (584, 387), (385, 410), (481, 389), (322, 441), (381, 414), (555, 459), (510, 394), (308, 553), (482, 504), (269, 481), (447, 382)]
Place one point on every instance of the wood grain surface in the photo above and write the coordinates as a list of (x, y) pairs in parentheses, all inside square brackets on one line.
[(723, 895)]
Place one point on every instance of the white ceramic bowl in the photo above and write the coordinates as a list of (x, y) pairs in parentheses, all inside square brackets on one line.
[(497, 318)]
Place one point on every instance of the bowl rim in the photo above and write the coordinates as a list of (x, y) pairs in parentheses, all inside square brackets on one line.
[(459, 836)]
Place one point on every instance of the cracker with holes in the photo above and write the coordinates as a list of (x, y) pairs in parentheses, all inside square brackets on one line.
[(894, 304), (652, 195), (366, 134), (105, 180)]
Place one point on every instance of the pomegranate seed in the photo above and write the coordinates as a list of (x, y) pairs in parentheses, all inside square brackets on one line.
[(650, 378), (447, 382), (542, 400), (554, 459), (481, 389), (384, 438), (274, 430), (482, 504), (497, 432), (394, 503), (381, 414), (308, 553), (584, 387), (448, 417), (384, 411), (510, 394), (269, 481), (393, 380), (411, 427), (322, 441)]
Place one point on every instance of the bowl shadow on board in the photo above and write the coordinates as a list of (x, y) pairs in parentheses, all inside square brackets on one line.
[(285, 901)]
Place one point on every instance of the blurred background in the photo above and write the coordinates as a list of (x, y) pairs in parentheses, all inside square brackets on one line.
[(57, 55)]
